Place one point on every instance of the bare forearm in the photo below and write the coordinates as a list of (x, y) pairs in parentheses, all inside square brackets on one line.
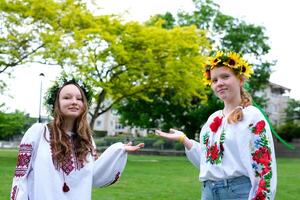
[(187, 143)]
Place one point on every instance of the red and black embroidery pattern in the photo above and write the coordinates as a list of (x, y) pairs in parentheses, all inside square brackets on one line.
[(94, 154), (24, 156), (13, 195), (262, 160), (68, 165)]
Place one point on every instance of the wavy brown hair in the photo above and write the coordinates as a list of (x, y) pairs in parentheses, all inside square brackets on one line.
[(61, 145)]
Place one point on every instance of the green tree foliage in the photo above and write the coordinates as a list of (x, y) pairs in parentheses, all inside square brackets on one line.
[(293, 111), (128, 60), (225, 33), (13, 124), (118, 60), (163, 113), (31, 30), (229, 34)]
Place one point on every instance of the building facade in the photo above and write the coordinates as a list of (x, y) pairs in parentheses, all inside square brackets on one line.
[(109, 122), (277, 98)]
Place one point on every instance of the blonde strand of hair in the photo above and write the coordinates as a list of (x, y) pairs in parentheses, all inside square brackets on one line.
[(237, 114)]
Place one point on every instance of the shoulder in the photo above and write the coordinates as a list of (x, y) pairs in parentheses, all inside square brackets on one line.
[(216, 113), (34, 131), (252, 112)]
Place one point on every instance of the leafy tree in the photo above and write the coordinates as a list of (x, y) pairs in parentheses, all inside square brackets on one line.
[(118, 60), (293, 111), (128, 60), (13, 124), (32, 29), (229, 34), (163, 113), (225, 33)]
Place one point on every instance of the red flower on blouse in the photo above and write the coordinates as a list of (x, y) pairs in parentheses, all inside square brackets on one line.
[(215, 124), (262, 184), (265, 170), (259, 195), (262, 156), (260, 126), (260, 191), (214, 152)]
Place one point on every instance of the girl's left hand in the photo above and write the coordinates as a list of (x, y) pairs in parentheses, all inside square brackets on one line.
[(130, 148)]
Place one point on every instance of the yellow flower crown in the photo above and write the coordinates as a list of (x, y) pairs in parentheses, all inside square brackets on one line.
[(232, 60)]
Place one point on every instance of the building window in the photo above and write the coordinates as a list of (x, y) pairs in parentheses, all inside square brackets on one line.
[(118, 127)]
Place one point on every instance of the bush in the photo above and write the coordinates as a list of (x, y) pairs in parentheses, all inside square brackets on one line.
[(159, 144), (100, 133), (289, 131), (151, 142)]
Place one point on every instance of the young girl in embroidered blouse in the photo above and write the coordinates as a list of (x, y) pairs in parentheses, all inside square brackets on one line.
[(235, 152), (58, 161)]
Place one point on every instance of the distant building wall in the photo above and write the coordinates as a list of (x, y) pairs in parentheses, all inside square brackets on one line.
[(109, 122), (277, 97)]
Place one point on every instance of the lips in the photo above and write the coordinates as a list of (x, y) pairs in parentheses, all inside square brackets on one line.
[(73, 109), (221, 90)]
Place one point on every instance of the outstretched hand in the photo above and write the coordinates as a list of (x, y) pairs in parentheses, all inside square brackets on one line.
[(173, 135), (130, 148)]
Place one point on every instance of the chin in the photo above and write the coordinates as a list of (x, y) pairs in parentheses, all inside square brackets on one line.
[(72, 115)]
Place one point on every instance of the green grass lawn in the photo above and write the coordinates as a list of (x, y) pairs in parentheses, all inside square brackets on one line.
[(160, 178)]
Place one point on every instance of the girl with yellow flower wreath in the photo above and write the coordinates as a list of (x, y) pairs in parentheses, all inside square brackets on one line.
[(235, 153)]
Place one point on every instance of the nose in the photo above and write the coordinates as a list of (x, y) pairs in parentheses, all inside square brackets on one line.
[(74, 101), (219, 82)]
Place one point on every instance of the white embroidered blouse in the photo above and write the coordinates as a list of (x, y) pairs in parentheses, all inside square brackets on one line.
[(37, 178), (230, 150)]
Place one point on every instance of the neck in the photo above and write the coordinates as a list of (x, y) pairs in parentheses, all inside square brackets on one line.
[(228, 107), (69, 125)]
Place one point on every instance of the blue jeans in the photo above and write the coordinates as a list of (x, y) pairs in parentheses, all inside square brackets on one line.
[(235, 188)]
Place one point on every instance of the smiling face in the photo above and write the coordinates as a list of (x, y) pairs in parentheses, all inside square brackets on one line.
[(225, 84), (71, 102)]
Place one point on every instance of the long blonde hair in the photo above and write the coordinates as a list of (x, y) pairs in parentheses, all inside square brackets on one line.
[(61, 145), (237, 114)]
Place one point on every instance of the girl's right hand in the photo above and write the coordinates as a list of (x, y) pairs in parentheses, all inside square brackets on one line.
[(173, 135)]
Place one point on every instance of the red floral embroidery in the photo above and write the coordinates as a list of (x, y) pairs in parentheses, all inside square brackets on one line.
[(260, 191), (262, 160), (213, 152), (265, 170), (215, 124), (259, 195), (24, 156), (262, 156), (13, 195), (260, 126)]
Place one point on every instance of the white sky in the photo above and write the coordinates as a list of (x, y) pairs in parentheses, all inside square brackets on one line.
[(279, 18)]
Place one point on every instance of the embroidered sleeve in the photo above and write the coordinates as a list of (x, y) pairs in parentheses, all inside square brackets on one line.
[(109, 166), (24, 163), (263, 161)]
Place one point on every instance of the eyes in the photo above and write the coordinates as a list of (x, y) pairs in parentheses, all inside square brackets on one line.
[(223, 77), (70, 97)]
